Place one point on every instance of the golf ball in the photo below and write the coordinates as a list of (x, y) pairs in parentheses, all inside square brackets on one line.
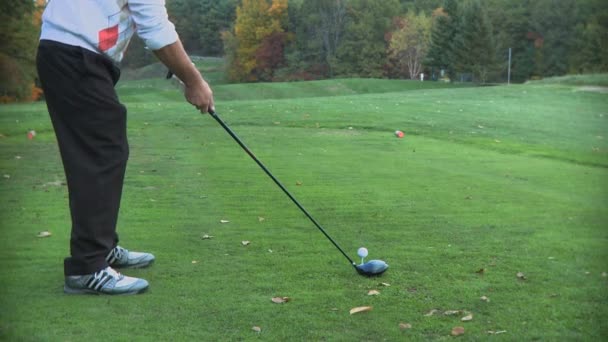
[(362, 252)]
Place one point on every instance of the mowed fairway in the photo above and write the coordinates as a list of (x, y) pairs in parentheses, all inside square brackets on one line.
[(487, 182)]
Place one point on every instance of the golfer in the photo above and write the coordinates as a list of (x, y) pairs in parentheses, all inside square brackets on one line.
[(81, 44)]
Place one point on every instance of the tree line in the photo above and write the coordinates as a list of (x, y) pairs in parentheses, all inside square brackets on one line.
[(270, 40), (449, 39)]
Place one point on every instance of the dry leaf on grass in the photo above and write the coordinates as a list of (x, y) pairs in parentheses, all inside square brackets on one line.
[(245, 242), (280, 300), (484, 299), (360, 309), (492, 332), (256, 329), (405, 326), (431, 313), (373, 293), (224, 221), (385, 284), (481, 271), (261, 219), (298, 183), (467, 318), (451, 312), (521, 276), (457, 331), (43, 234), (207, 237)]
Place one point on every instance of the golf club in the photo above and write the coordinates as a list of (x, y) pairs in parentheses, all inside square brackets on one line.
[(370, 268)]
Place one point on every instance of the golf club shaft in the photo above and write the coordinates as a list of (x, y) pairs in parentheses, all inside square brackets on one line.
[(276, 181)]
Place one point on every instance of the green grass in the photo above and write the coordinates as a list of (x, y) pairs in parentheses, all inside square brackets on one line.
[(580, 80), (507, 179)]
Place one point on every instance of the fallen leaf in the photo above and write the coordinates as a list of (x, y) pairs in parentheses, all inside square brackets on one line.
[(298, 183), (481, 271), (43, 234), (385, 284), (360, 309), (224, 221), (373, 293), (467, 318), (207, 237), (6, 176), (405, 326), (492, 332), (261, 219), (521, 276), (431, 313), (280, 300), (194, 261), (457, 331), (484, 299), (451, 312), (245, 242), (256, 329)]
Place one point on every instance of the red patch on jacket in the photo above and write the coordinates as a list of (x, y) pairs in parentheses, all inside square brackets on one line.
[(108, 38)]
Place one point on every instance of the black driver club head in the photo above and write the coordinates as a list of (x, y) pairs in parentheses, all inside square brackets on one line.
[(372, 268)]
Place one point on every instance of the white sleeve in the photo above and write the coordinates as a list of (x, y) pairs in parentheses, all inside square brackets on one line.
[(152, 22)]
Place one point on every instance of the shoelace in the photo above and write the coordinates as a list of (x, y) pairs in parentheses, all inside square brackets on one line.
[(115, 254), (118, 251)]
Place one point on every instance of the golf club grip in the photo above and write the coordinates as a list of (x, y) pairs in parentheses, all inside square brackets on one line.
[(276, 181)]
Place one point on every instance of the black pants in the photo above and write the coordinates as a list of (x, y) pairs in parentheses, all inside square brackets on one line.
[(91, 128)]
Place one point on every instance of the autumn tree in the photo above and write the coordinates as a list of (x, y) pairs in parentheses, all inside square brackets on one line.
[(409, 44), (19, 32), (258, 25)]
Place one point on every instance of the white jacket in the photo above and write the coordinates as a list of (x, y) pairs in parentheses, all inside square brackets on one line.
[(106, 26)]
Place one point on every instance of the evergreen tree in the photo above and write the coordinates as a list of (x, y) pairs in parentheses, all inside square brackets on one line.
[(473, 47), (200, 23), (511, 22), (445, 27), (554, 22), (363, 51)]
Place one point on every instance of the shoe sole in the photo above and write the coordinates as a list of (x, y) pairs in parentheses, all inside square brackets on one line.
[(140, 265), (72, 291)]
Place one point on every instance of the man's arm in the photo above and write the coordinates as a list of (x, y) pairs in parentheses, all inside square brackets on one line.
[(196, 90)]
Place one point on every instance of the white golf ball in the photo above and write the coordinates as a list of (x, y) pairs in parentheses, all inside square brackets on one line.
[(362, 252)]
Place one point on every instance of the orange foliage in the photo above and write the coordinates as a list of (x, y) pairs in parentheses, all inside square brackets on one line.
[(36, 93), (37, 19), (256, 21), (439, 12)]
